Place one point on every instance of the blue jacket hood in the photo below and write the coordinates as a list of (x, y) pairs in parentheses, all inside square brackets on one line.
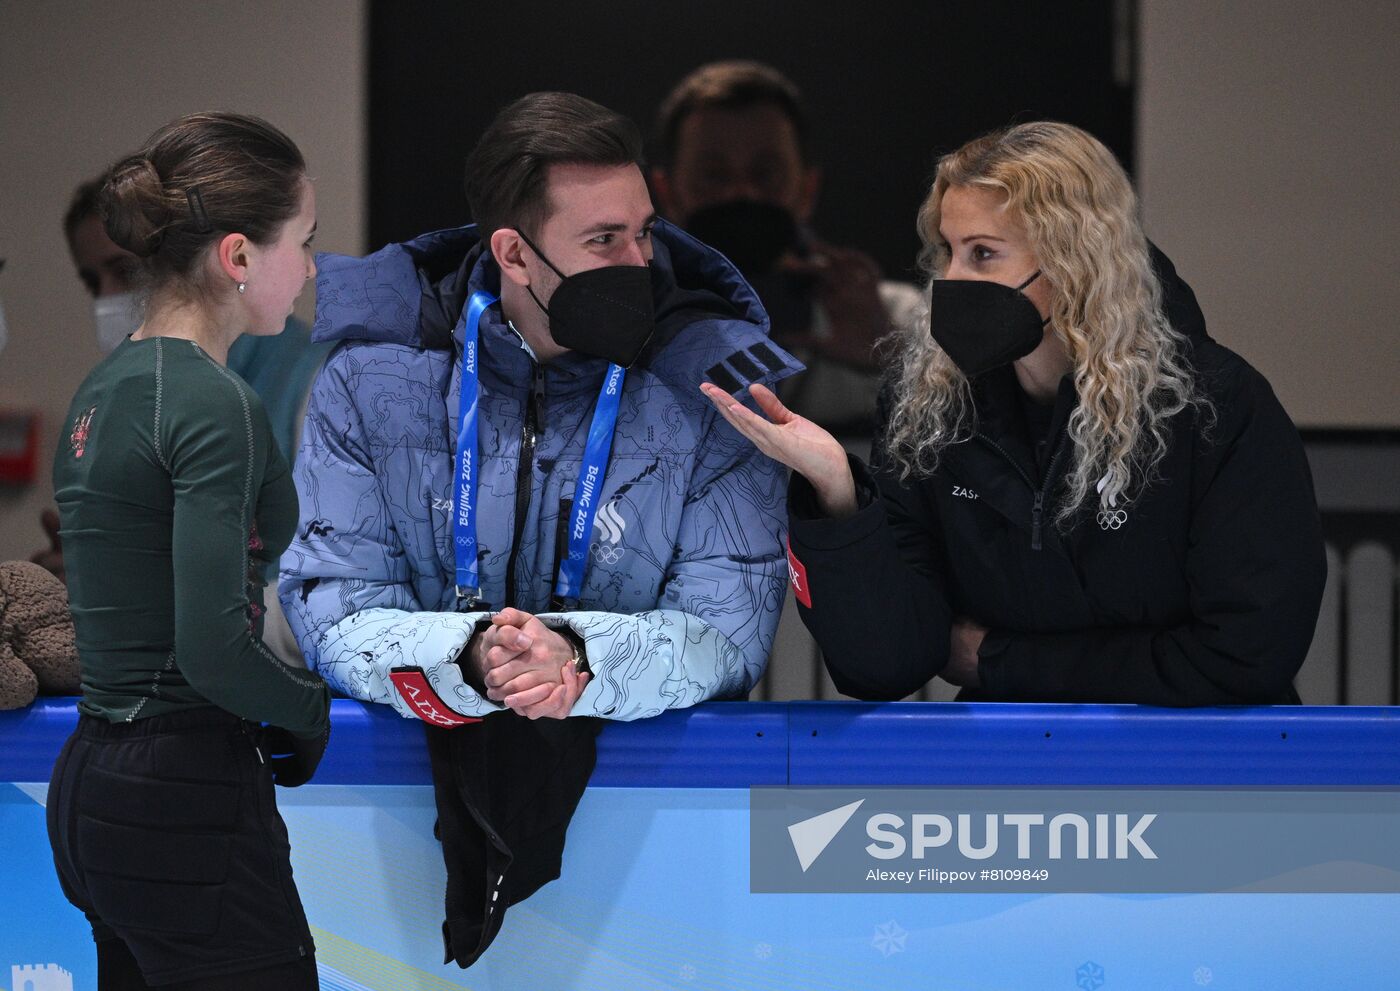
[(414, 292)]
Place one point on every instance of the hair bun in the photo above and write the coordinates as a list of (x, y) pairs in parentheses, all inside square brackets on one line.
[(134, 206)]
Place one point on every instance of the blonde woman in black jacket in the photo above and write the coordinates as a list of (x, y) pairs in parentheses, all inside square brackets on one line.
[(1075, 493)]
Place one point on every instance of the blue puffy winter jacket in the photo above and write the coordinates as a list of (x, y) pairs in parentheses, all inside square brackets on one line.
[(687, 566)]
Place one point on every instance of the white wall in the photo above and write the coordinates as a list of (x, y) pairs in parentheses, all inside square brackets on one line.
[(1269, 134), (82, 83)]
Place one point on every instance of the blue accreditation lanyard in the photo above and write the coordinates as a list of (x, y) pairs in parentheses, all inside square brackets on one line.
[(589, 487), (468, 455)]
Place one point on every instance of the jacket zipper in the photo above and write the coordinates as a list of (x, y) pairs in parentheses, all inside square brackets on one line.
[(1038, 507), (561, 549), (524, 473)]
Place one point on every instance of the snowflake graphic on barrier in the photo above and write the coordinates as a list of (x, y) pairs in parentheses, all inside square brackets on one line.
[(1089, 976), (762, 950), (889, 938), (688, 972), (1203, 976)]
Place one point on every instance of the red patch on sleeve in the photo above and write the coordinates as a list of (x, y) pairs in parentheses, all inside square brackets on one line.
[(797, 574), (414, 688), (82, 427)]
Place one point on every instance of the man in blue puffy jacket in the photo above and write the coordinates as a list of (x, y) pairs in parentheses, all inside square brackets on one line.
[(513, 493)]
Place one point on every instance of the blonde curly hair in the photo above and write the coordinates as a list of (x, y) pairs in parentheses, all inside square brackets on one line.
[(1080, 216)]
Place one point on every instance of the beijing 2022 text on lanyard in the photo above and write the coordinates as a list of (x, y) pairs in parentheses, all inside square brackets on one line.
[(586, 492)]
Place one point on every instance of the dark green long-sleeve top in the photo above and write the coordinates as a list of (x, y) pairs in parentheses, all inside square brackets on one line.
[(173, 497)]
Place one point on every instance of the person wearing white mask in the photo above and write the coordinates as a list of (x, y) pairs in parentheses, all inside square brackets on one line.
[(106, 270)]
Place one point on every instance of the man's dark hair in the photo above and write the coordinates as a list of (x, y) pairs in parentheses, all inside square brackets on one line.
[(82, 206), (730, 85), (506, 171)]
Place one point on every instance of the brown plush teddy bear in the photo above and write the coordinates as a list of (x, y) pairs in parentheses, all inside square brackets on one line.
[(37, 652)]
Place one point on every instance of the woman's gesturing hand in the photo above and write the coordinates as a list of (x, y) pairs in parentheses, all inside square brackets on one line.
[(795, 441)]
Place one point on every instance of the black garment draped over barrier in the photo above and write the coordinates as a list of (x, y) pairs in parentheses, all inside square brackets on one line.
[(505, 789)]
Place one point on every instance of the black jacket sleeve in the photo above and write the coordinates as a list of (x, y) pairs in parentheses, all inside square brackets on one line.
[(875, 581), (1254, 565)]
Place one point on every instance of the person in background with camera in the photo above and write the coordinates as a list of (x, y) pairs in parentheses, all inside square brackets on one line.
[(1076, 495), (736, 172), (173, 497)]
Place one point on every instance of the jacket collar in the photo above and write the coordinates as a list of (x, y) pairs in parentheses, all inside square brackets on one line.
[(1178, 299)]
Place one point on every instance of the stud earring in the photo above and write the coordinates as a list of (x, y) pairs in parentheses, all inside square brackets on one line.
[(242, 287)]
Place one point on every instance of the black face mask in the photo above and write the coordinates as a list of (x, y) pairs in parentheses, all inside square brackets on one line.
[(605, 312), (983, 325), (751, 234)]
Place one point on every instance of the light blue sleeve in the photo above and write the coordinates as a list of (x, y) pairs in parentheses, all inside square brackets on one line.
[(347, 588), (356, 655)]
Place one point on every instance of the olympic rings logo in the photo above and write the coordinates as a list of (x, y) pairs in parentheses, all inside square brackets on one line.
[(607, 553), (1112, 520)]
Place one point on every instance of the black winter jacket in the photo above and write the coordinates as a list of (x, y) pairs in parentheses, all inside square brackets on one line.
[(1203, 590)]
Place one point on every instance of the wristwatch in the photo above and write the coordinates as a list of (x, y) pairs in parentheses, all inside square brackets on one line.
[(580, 658)]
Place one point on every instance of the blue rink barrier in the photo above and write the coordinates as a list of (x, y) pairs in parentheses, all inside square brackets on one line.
[(655, 886)]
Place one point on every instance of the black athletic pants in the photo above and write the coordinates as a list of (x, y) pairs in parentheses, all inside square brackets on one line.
[(166, 835)]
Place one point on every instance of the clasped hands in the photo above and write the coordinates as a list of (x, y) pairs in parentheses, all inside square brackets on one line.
[(525, 665)]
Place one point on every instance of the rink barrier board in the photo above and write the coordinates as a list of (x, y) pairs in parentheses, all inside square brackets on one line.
[(737, 745)]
